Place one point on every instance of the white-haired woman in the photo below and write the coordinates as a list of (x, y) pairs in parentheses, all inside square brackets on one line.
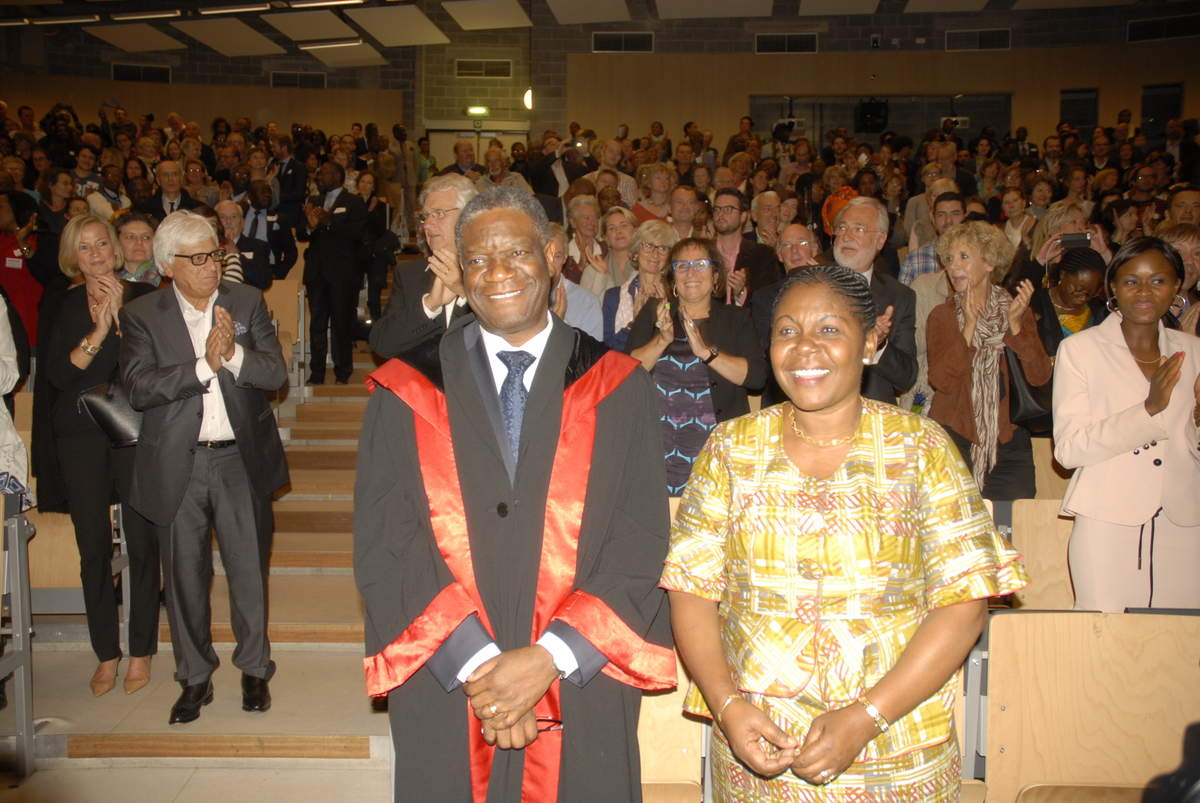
[(583, 217), (81, 354)]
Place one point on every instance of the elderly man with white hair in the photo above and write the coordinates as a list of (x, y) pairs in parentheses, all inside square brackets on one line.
[(861, 230), (199, 360), (496, 162)]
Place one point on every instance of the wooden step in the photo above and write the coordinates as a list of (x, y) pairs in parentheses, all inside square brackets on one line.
[(322, 481), (217, 745), (353, 390), (312, 431), (303, 608), (329, 413), (312, 550), (321, 457), (298, 516)]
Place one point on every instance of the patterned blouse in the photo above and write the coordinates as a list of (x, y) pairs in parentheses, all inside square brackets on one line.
[(822, 582)]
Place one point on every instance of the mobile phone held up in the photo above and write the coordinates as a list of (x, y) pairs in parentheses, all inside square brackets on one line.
[(1082, 240)]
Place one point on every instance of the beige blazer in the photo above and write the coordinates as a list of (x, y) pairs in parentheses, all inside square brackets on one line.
[(1129, 464)]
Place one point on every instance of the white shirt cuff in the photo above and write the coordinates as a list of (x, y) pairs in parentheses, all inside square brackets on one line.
[(485, 653), (429, 313), (234, 363), (204, 371), (879, 354), (564, 659)]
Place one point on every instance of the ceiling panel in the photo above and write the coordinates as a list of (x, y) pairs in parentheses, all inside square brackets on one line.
[(943, 6), (578, 12), (689, 9), (486, 15), (354, 56), (404, 26), (305, 26), (135, 38), (30, 2), (1034, 5), (828, 7), (229, 37)]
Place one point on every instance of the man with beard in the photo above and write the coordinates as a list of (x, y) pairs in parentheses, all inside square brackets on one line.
[(748, 265), (860, 231)]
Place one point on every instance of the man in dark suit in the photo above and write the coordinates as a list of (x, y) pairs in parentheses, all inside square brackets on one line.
[(292, 176), (464, 163), (272, 232), (198, 360), (427, 295), (334, 228), (860, 231), (537, 596), (797, 248), (749, 266), (171, 196), (555, 169)]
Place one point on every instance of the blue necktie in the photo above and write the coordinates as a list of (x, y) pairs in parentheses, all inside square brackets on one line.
[(513, 395)]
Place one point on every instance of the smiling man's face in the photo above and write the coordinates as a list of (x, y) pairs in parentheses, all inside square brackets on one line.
[(505, 273)]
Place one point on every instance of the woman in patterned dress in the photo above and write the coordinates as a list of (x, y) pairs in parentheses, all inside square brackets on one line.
[(829, 569)]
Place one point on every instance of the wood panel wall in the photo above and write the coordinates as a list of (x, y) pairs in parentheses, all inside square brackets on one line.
[(713, 89), (331, 110)]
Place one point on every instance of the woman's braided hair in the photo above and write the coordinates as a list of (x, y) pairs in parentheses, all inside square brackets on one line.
[(849, 284)]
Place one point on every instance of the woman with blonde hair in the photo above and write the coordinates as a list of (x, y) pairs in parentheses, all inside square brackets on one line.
[(655, 182), (648, 254), (613, 267), (967, 336)]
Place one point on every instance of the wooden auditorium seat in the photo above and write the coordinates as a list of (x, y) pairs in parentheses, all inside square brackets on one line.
[(1095, 701), (1080, 793), (1041, 536)]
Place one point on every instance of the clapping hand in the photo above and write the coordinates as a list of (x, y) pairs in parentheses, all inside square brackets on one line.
[(1163, 382), (104, 313), (447, 278), (883, 326), (220, 339), (692, 330), (1018, 305), (558, 299), (757, 741), (663, 322), (737, 282)]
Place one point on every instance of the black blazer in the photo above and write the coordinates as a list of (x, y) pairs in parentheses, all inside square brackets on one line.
[(541, 174), (404, 324), (1049, 329), (293, 184), (730, 330), (333, 248), (153, 205), (760, 264), (158, 369), (896, 370), (281, 242)]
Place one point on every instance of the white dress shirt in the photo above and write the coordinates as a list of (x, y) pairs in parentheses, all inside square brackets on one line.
[(215, 425), (564, 660)]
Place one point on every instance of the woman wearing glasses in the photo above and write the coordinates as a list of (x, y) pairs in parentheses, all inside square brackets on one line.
[(702, 353), (621, 305), (135, 239), (82, 353)]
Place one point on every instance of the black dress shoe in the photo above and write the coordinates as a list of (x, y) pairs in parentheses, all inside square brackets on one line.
[(256, 695), (314, 379), (342, 380), (187, 707)]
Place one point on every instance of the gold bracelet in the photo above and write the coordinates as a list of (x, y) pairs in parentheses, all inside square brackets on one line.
[(88, 348), (873, 712), (725, 704)]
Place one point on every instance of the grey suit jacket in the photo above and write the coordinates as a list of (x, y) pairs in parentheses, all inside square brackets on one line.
[(158, 369)]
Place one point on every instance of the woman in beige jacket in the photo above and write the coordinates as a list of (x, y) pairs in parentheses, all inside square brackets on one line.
[(1125, 417)]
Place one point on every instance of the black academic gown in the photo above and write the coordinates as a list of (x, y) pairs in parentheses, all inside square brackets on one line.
[(622, 544)]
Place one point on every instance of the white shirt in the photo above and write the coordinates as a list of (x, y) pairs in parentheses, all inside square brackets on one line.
[(170, 205), (564, 660), (215, 425)]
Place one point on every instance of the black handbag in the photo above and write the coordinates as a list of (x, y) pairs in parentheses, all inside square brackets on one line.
[(108, 406), (1028, 406)]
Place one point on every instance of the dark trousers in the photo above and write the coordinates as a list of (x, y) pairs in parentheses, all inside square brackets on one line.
[(91, 469), (331, 305), (377, 273), (219, 496), (1012, 477)]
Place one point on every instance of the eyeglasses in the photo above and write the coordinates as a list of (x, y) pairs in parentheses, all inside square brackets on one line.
[(726, 209), (436, 215), (198, 259), (858, 229), (794, 243), (692, 265), (658, 249)]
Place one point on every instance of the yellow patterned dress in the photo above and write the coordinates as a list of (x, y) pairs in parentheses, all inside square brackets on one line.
[(822, 582)]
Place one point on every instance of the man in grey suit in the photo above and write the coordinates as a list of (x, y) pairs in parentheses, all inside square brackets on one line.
[(861, 230), (537, 598), (198, 359)]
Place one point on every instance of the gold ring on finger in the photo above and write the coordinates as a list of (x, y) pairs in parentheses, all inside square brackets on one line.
[(493, 709)]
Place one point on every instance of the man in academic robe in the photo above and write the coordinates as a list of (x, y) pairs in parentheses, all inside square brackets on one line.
[(510, 526)]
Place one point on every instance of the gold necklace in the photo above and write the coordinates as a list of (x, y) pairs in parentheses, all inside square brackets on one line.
[(1157, 361), (811, 441)]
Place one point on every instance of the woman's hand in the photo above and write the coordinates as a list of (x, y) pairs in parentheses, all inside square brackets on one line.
[(1099, 244), (598, 262), (663, 322), (26, 230), (832, 743), (1166, 376), (1051, 251), (1018, 305), (692, 330), (974, 303), (757, 741)]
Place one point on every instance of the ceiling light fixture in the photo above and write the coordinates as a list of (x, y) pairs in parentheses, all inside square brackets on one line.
[(477, 111), (66, 20), (236, 9), (327, 43), (320, 3), (126, 16)]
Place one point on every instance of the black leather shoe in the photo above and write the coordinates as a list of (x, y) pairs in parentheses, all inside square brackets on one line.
[(342, 380), (187, 707), (256, 695), (314, 379)]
